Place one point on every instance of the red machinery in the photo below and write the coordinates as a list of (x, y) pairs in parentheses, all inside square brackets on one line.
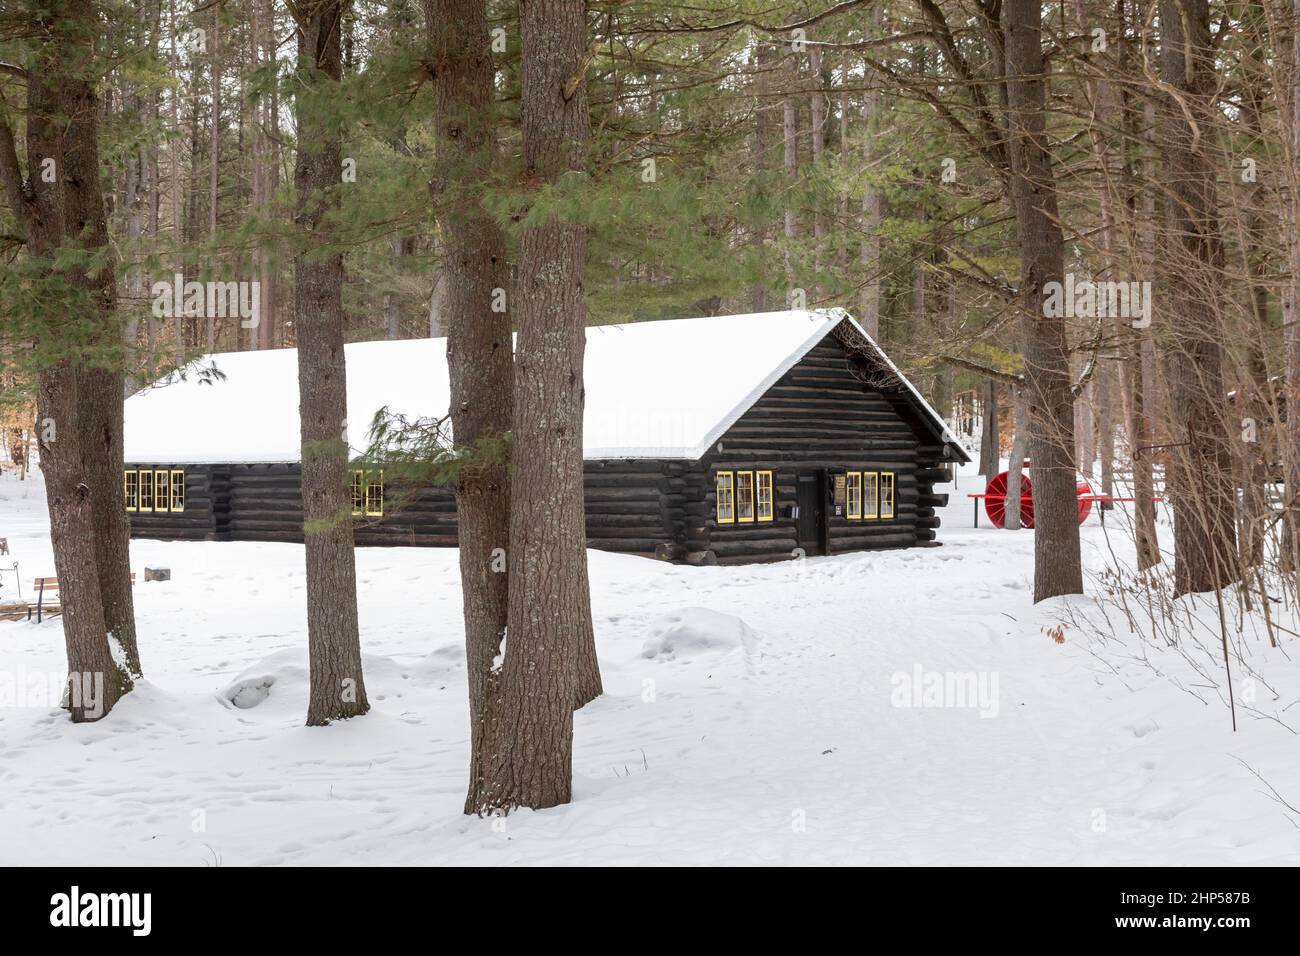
[(995, 496)]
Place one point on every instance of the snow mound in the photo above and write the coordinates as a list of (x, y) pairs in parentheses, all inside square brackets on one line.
[(695, 630), (250, 692)]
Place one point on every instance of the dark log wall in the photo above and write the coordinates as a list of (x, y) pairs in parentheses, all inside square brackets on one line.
[(197, 521), (834, 411), (631, 508)]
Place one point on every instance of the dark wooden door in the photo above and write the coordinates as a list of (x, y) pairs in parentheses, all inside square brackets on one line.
[(812, 512)]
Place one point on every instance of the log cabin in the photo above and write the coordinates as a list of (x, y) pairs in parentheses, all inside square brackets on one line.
[(717, 440)]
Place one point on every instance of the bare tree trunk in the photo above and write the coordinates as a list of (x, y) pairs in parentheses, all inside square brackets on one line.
[(1137, 184), (764, 62), (214, 150), (990, 441), (1057, 566), (1290, 130), (438, 319), (842, 203), (873, 200), (1255, 401), (790, 155), (817, 120), (478, 352), (1015, 467), (177, 188), (1201, 486), (1086, 452), (542, 675), (337, 686), (268, 176), (399, 247)]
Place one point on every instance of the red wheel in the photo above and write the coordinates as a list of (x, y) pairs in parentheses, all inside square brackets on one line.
[(995, 505)]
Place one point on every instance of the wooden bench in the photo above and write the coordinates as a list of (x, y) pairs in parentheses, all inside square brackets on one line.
[(46, 586)]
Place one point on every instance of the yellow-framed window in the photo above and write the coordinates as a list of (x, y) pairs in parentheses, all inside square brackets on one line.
[(178, 490), (162, 490), (886, 494), (726, 485), (853, 495), (146, 491), (375, 494), (766, 488), (871, 494), (131, 488), (744, 497), (358, 493)]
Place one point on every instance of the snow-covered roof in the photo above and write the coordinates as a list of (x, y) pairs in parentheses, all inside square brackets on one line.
[(665, 389)]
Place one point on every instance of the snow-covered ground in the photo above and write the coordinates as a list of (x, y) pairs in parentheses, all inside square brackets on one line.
[(751, 715)]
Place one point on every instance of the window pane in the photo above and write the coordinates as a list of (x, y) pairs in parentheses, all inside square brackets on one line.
[(357, 492), (766, 496), (146, 491), (726, 505), (162, 490), (131, 483), (744, 496), (178, 491), (375, 494), (855, 494), (887, 495), (871, 486)]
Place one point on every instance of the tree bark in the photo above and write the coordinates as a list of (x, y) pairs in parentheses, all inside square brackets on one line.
[(479, 357), (101, 384), (790, 160), (764, 62), (873, 200), (1290, 292), (1201, 486), (1057, 566), (1015, 467), (337, 686), (817, 122), (1139, 382), (549, 606), (62, 126), (990, 441)]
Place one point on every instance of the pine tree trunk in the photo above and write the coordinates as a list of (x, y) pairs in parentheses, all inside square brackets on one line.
[(101, 388), (549, 613), (62, 125), (337, 687), (100, 399), (1201, 485), (478, 350), (1057, 567)]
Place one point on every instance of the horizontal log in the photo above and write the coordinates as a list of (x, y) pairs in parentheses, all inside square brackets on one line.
[(647, 545), (934, 476)]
